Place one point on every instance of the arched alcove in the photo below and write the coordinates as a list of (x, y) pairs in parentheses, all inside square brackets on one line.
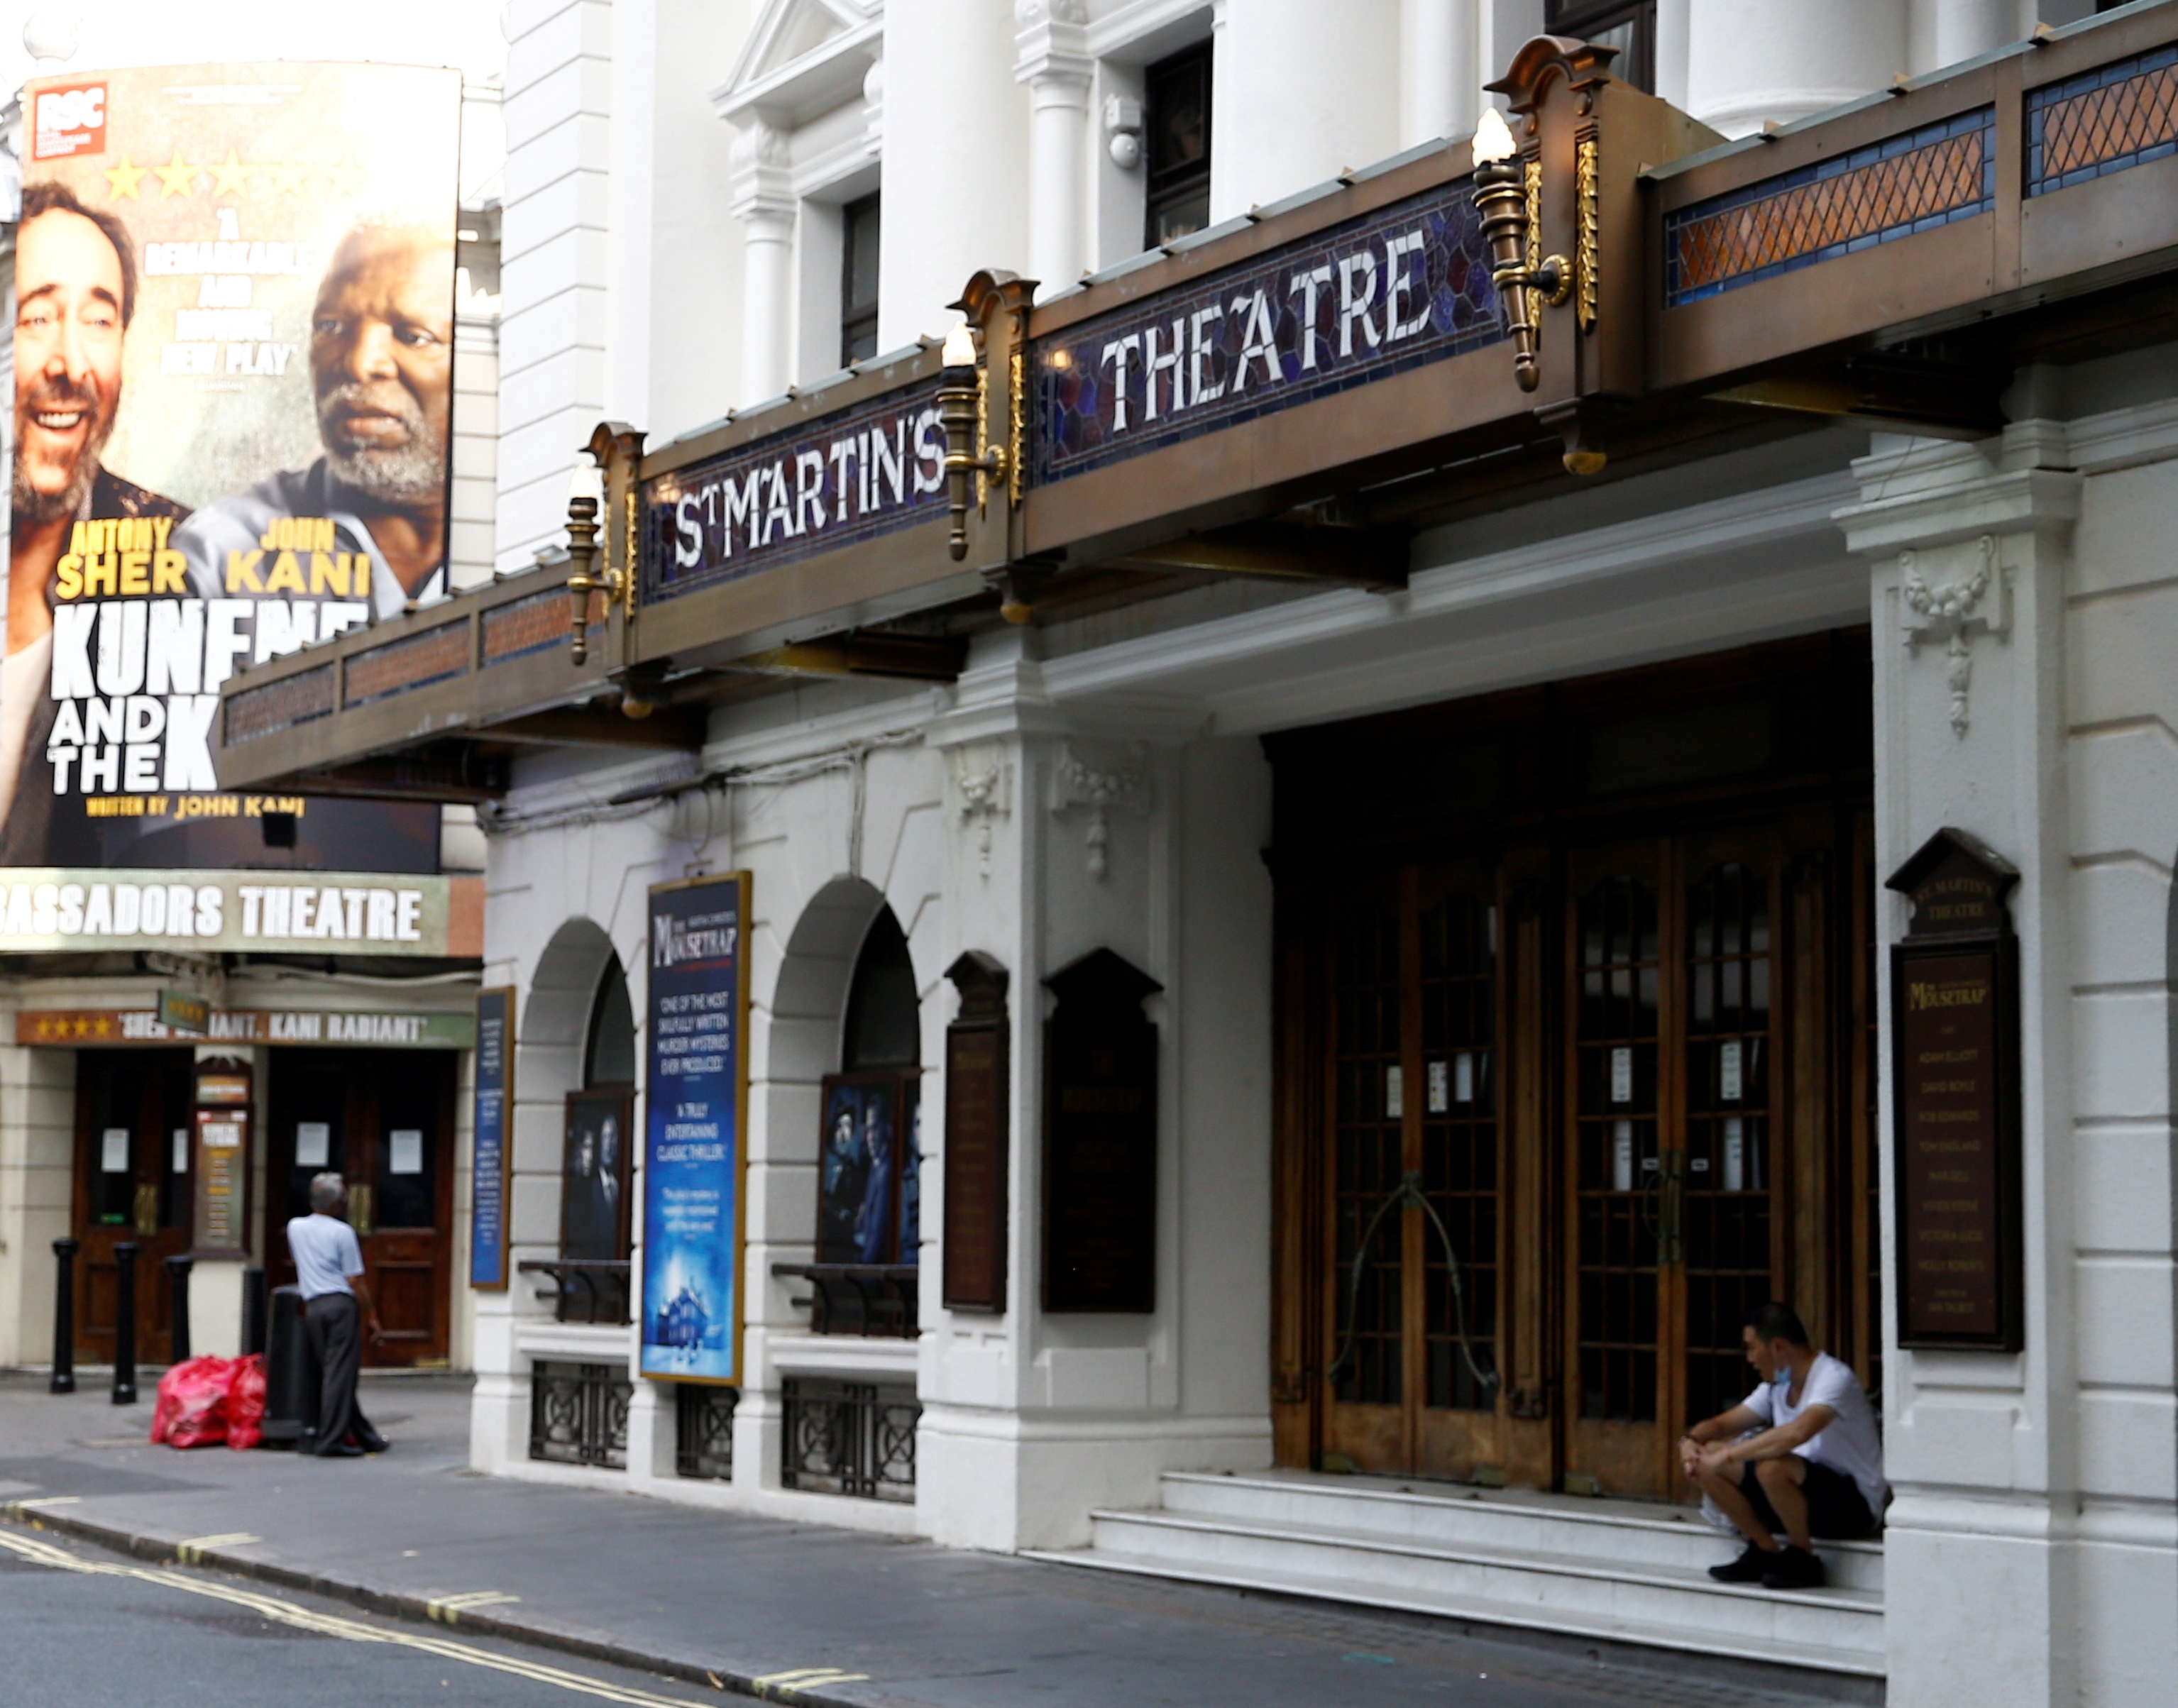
[(846, 1048)]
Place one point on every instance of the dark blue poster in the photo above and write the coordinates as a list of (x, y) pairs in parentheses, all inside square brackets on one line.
[(697, 1099), (494, 1094)]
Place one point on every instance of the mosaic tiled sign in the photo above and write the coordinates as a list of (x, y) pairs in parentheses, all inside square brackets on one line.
[(1358, 302), (832, 482)]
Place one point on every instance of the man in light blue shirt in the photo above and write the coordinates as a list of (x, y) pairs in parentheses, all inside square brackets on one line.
[(329, 1275)]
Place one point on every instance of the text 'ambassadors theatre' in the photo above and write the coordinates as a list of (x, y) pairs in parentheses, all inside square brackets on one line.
[(210, 994), (1328, 852)]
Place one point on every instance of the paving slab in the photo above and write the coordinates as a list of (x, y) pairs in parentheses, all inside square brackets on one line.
[(776, 1609)]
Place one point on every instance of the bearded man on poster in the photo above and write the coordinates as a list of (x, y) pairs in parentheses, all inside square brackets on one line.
[(381, 367), (75, 294)]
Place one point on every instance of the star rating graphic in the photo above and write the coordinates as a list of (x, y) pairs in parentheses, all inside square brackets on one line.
[(177, 178), (232, 177)]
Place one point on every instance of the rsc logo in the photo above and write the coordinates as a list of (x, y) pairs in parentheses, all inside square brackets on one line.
[(71, 120)]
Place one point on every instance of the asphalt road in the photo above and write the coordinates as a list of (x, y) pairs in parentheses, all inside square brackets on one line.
[(83, 1629)]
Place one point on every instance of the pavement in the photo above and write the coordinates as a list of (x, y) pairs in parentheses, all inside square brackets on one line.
[(825, 1618)]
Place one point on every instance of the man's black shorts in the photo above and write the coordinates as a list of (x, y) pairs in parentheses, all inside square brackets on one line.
[(1836, 1507)]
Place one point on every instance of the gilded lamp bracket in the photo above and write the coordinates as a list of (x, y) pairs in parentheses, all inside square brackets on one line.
[(1508, 194), (995, 302)]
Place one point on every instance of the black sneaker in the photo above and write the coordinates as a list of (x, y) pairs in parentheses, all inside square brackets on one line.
[(1796, 1568), (1749, 1567)]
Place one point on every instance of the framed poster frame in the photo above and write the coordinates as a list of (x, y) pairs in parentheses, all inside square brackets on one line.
[(495, 1092), (1957, 1175), (663, 1113)]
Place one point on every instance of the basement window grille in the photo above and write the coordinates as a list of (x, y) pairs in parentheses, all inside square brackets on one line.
[(703, 1430), (848, 1438), (578, 1414)]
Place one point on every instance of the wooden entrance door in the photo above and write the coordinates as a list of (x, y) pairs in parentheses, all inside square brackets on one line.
[(1671, 1137), (132, 1183), (383, 1119), (1413, 1173)]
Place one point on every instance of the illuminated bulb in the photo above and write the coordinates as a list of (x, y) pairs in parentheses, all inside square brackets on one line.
[(959, 350), (587, 481), (1493, 141)]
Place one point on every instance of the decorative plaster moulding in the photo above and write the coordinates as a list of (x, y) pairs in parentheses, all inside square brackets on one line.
[(1945, 590), (983, 779), (803, 59), (1103, 777)]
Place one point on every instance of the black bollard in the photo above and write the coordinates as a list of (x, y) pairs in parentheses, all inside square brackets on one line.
[(177, 1307), (124, 1323), (64, 1380), (253, 1312)]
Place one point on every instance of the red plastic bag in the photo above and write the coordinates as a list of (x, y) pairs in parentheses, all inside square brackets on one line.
[(192, 1406), (245, 1402)]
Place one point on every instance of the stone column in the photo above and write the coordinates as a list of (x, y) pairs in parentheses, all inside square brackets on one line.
[(1969, 557), (1053, 59), (1440, 80), (764, 205), (1749, 62), (1300, 93), (1074, 827)]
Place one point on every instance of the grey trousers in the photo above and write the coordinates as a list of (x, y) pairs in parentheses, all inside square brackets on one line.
[(334, 1327)]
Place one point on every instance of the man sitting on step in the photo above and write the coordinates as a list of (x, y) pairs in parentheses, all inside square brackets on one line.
[(1811, 1466)]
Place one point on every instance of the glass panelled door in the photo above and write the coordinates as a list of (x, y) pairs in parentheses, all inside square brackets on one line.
[(1414, 1169), (1671, 1137)]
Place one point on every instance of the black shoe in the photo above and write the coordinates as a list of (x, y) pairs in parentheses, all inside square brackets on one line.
[(340, 1449), (374, 1443), (1796, 1568), (1749, 1568)]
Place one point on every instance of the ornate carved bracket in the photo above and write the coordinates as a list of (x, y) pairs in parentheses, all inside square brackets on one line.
[(1101, 782), (985, 781), (1944, 592)]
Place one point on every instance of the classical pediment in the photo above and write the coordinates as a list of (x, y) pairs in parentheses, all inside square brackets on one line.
[(803, 59)]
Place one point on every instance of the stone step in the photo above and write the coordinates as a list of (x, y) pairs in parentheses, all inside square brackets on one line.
[(1634, 1534), (1578, 1587), (1634, 1625)]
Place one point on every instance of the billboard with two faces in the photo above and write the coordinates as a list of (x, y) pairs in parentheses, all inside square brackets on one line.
[(233, 353)]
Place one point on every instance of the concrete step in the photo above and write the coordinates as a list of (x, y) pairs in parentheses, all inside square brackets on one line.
[(1633, 1630), (1632, 1533), (1618, 1571)]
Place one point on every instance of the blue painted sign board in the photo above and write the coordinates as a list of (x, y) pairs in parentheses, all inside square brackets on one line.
[(695, 1123), (495, 1102)]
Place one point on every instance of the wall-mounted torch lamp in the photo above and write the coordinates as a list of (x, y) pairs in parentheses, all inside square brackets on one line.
[(586, 492), (1508, 195), (960, 409)]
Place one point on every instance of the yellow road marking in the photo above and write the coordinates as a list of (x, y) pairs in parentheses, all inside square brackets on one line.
[(191, 1552), (448, 1609), (807, 1678), (331, 1625), (48, 1501)]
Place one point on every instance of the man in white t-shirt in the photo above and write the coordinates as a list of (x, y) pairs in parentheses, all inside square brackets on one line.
[(329, 1275), (1802, 1453)]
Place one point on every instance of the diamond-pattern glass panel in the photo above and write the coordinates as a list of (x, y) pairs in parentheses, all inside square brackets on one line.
[(1890, 190), (2104, 120), (415, 661), (301, 698)]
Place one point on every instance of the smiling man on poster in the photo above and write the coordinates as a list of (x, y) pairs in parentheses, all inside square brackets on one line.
[(75, 295)]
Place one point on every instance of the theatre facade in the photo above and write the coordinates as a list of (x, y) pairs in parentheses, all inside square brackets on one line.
[(1351, 836)]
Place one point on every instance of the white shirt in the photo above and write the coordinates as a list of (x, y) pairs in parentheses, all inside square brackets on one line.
[(1849, 1443), (326, 1255)]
